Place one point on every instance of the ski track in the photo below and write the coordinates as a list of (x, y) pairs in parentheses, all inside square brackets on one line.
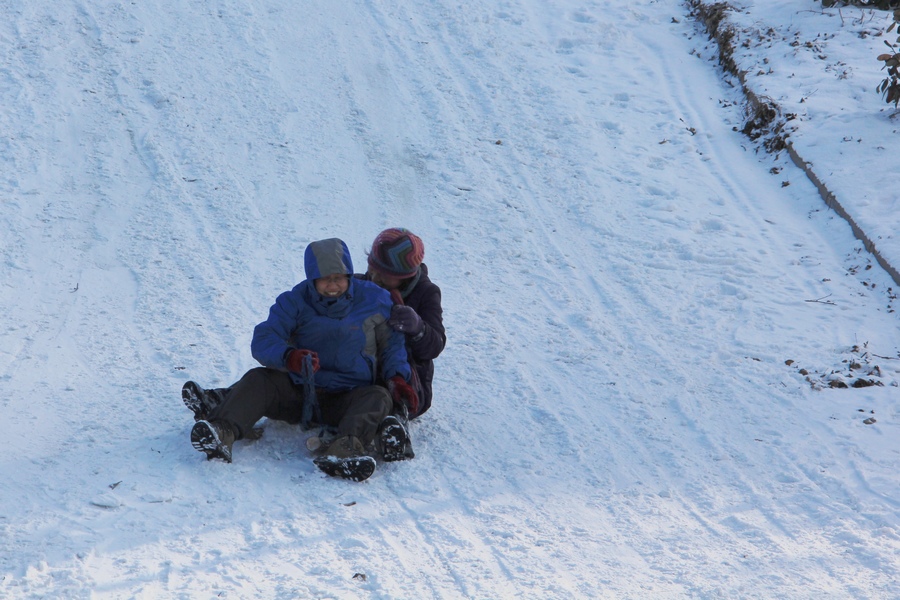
[(586, 439)]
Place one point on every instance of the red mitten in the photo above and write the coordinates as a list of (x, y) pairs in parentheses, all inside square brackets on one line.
[(402, 393), (294, 362)]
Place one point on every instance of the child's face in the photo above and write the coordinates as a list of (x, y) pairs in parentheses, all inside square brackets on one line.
[(333, 285), (388, 282)]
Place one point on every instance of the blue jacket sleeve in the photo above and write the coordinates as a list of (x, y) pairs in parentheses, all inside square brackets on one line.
[(271, 338), (392, 352)]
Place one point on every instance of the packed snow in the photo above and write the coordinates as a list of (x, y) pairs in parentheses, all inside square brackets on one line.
[(650, 319)]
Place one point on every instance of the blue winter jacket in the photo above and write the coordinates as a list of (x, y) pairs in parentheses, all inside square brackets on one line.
[(350, 333)]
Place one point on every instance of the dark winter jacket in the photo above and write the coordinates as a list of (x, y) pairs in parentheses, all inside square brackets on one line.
[(356, 347), (424, 297)]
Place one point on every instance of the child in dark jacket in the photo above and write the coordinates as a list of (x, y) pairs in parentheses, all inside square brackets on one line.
[(329, 357), (395, 263)]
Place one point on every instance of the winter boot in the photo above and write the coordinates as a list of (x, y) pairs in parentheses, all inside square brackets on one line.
[(214, 438), (393, 440), (201, 402), (345, 447), (345, 458)]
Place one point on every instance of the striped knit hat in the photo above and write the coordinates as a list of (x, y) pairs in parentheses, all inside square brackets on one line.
[(397, 252)]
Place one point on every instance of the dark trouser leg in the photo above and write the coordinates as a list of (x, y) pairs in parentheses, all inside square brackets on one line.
[(261, 392), (357, 412)]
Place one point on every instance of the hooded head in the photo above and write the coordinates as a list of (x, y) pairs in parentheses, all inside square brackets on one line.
[(397, 252), (327, 257)]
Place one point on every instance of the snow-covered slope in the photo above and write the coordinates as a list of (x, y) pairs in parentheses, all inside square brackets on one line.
[(819, 68), (643, 318)]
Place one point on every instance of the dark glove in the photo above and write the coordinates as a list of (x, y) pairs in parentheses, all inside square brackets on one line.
[(405, 319), (295, 358), (402, 393)]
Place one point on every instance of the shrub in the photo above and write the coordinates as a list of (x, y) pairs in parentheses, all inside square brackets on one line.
[(889, 88), (879, 4)]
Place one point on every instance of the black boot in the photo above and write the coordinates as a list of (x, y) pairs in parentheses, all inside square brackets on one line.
[(393, 439), (214, 438), (201, 402), (345, 458)]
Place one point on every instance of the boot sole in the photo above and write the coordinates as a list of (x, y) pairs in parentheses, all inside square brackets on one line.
[(355, 468), (193, 399), (204, 439), (395, 444)]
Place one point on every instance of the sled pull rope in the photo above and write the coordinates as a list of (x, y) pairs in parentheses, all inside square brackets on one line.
[(311, 409)]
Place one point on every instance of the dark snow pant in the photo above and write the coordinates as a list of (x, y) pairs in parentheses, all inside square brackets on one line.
[(263, 392)]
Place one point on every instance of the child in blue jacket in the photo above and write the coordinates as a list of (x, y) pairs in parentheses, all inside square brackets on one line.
[(329, 357)]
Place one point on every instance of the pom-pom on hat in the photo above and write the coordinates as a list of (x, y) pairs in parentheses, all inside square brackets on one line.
[(397, 252)]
